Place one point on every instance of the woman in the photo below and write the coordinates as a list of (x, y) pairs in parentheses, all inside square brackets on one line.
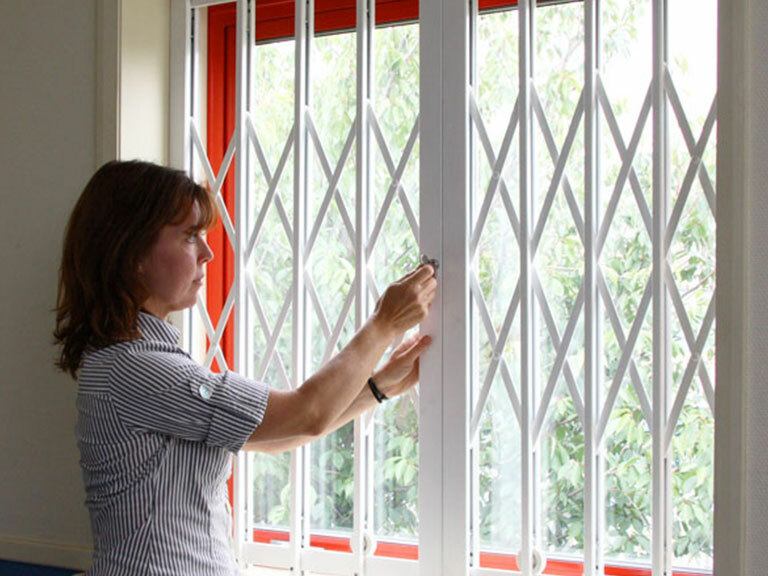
[(156, 430)]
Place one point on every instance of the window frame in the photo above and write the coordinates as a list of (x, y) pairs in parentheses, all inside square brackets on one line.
[(445, 511)]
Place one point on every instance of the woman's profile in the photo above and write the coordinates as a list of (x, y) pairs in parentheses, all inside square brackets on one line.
[(156, 431)]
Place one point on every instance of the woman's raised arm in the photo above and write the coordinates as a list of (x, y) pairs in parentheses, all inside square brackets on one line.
[(312, 409)]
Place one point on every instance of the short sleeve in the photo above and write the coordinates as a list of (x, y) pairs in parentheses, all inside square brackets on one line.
[(166, 392)]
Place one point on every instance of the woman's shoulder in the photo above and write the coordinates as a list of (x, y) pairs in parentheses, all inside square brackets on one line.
[(96, 365), (154, 364), (99, 365)]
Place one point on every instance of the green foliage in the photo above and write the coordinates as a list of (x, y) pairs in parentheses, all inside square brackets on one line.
[(332, 480), (396, 452)]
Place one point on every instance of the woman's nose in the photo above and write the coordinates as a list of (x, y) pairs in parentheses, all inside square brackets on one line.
[(206, 254)]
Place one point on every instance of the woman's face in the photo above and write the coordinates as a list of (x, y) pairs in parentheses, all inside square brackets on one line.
[(174, 268)]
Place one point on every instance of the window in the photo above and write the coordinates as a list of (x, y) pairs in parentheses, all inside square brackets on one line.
[(574, 147)]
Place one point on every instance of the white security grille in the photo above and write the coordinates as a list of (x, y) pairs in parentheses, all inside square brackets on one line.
[(536, 179), (550, 327)]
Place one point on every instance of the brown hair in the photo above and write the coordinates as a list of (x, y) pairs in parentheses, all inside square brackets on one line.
[(116, 220)]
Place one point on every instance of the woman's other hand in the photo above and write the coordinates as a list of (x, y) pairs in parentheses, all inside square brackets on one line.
[(406, 302), (401, 372)]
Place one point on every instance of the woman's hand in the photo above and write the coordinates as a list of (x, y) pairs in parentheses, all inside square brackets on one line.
[(401, 371), (406, 302)]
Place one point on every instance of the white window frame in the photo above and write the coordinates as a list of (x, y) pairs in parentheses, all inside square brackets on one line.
[(444, 482)]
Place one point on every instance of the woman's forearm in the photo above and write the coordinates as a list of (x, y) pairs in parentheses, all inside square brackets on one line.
[(311, 409), (363, 402), (336, 388)]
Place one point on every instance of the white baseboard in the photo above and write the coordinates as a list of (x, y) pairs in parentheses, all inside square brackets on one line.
[(44, 552)]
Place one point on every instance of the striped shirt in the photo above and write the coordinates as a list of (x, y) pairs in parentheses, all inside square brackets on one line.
[(156, 433)]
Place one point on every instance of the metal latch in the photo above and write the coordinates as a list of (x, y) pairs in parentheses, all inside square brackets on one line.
[(431, 261)]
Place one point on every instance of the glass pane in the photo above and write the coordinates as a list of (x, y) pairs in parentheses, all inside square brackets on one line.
[(692, 33), (627, 481), (692, 59), (331, 258), (270, 488), (625, 259), (270, 268), (558, 182), (499, 478), (495, 270), (394, 253)]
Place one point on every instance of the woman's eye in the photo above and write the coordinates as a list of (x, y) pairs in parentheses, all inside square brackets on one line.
[(192, 238)]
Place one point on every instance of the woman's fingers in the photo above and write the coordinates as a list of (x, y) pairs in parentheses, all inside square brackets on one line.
[(401, 371), (418, 274), (430, 289), (409, 275), (405, 345), (412, 377), (418, 348), (406, 302), (423, 273), (429, 285)]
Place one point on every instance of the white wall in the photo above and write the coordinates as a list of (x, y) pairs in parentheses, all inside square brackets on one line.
[(47, 154), (54, 132), (144, 85)]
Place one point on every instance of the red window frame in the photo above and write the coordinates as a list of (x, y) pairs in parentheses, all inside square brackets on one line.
[(275, 18), (222, 53), (274, 21), (220, 90)]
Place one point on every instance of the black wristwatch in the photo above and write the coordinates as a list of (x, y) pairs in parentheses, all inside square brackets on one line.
[(378, 394)]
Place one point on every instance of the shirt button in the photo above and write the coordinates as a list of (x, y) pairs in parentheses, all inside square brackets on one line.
[(205, 392)]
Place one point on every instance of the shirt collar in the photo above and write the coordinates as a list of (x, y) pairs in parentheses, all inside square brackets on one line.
[(153, 328)]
